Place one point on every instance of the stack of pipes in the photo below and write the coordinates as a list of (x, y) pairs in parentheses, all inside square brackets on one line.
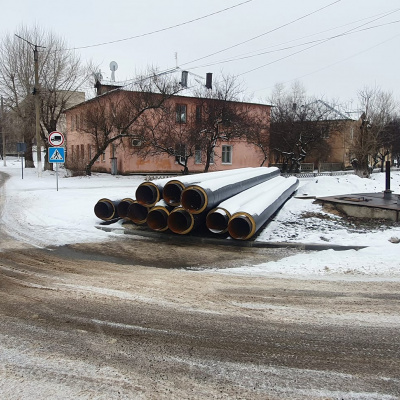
[(237, 201)]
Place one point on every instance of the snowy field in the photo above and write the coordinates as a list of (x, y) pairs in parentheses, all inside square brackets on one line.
[(33, 211)]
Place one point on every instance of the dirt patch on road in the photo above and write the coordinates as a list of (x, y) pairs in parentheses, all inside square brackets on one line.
[(167, 254)]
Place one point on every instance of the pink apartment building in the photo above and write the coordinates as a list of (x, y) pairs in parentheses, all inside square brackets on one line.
[(122, 156)]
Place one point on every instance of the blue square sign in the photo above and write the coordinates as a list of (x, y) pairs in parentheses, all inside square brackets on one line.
[(56, 154)]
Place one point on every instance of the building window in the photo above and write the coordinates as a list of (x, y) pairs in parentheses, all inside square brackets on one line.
[(72, 123), (103, 156), (212, 157), (325, 133), (197, 155), (180, 153), (82, 151), (89, 151), (181, 111), (226, 154), (198, 114)]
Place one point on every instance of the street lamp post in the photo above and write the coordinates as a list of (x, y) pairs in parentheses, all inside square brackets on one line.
[(37, 113)]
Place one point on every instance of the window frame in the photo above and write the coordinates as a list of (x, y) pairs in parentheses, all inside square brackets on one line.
[(181, 113), (226, 154), (179, 157), (199, 113), (197, 155)]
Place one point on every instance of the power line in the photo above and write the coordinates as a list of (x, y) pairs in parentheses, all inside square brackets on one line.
[(336, 62), (307, 48), (163, 29), (380, 15), (317, 41), (307, 36), (265, 33)]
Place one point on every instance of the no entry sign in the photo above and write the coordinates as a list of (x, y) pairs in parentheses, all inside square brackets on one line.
[(56, 139)]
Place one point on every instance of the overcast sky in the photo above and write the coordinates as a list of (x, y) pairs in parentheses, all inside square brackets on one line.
[(267, 42)]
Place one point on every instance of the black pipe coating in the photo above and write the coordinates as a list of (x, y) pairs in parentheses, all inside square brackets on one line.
[(138, 213), (123, 206), (106, 209)]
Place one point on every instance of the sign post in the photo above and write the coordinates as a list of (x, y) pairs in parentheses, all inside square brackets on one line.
[(56, 153), (21, 148)]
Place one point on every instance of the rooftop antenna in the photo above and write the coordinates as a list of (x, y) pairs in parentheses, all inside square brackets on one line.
[(113, 68)]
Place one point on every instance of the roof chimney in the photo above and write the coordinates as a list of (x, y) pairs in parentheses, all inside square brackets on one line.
[(209, 80)]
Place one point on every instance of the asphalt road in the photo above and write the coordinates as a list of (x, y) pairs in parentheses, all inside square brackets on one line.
[(139, 318)]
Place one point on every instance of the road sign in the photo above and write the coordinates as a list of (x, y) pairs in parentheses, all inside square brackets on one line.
[(56, 139), (56, 154), (21, 147)]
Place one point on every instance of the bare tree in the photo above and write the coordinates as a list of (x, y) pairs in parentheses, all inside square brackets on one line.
[(121, 113), (60, 77), (214, 115), (220, 115), (161, 132), (373, 141), (299, 125), (258, 134)]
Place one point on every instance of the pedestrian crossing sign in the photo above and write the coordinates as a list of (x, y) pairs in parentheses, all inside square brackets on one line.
[(56, 154)]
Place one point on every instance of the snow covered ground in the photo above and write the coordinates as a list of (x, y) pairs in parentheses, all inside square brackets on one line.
[(35, 212)]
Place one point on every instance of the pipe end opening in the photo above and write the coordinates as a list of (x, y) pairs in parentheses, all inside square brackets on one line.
[(104, 210), (217, 221), (157, 220), (172, 193), (180, 221), (147, 194), (193, 200), (240, 227)]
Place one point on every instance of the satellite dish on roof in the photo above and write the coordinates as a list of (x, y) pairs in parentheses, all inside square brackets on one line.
[(113, 68)]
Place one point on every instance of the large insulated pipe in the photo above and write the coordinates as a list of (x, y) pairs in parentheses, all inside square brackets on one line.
[(182, 222), (137, 213), (245, 223), (173, 189), (217, 219), (199, 198), (123, 206), (106, 209), (149, 193), (157, 218)]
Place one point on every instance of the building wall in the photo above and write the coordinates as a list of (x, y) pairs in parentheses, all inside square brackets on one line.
[(339, 143)]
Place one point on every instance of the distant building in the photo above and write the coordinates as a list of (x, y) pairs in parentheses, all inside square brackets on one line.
[(339, 139), (333, 149)]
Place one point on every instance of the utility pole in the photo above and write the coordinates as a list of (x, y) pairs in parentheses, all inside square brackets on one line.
[(37, 112), (36, 91), (3, 132)]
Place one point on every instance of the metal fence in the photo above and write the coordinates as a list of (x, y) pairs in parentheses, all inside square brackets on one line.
[(314, 174)]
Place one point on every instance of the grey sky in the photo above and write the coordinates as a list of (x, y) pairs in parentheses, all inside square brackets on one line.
[(335, 68)]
